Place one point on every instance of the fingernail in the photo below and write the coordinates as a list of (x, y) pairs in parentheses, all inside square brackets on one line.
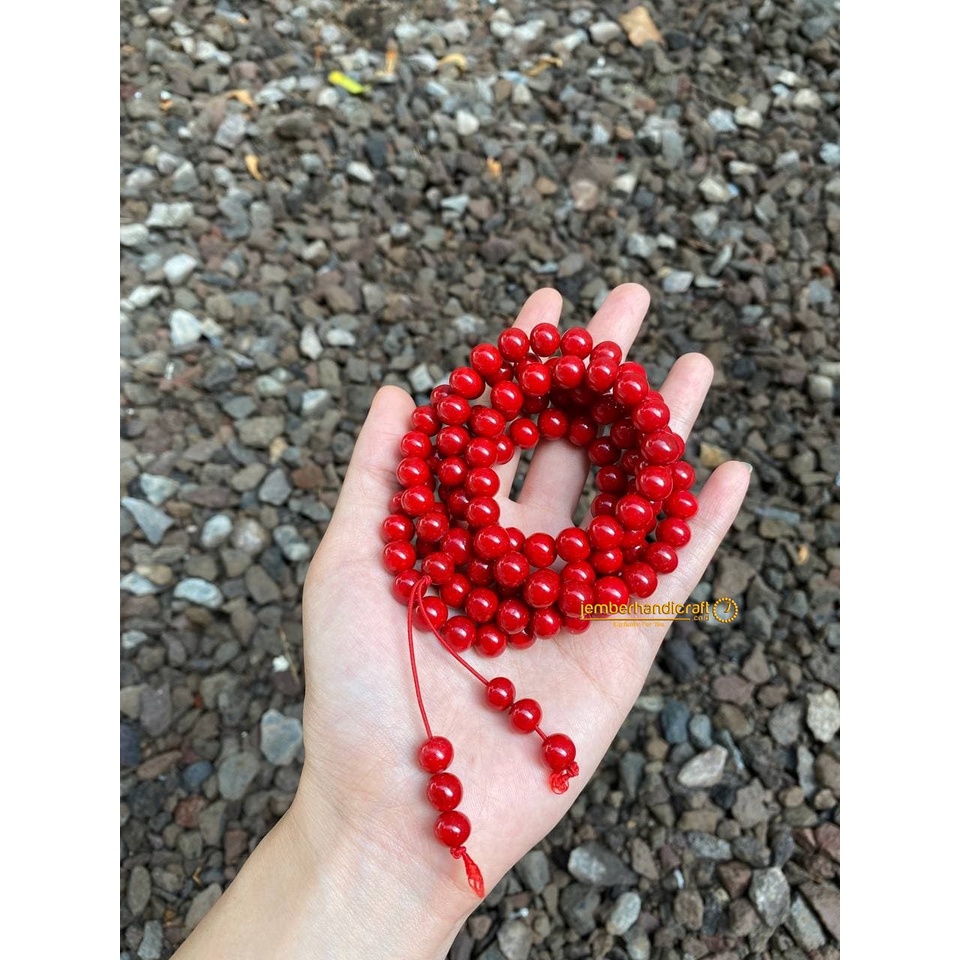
[(749, 466)]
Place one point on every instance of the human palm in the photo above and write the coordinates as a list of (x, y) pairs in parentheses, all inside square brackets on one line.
[(361, 721)]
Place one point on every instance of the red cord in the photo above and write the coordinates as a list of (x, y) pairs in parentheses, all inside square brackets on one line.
[(413, 656), (474, 877)]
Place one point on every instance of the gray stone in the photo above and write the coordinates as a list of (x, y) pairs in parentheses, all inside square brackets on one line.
[(260, 431), (275, 489), (249, 537), (280, 737), (515, 939), (170, 216), (804, 926), (153, 522), (677, 281), (157, 489), (631, 768), (578, 904), (593, 863), (706, 222), (202, 904), (185, 328), (185, 179), (198, 591), (745, 117), (705, 769), (701, 731), (310, 345), (637, 942), (216, 531), (360, 171), (770, 894), (129, 746), (138, 585), (640, 245), (420, 378), (823, 715), (231, 132), (262, 587), (708, 846), (722, 121), (291, 544), (534, 870), (749, 808), (151, 946), (673, 721), (211, 822), (819, 387), (625, 913), (144, 295), (313, 401), (467, 124), (316, 253), (829, 154), (604, 31), (156, 710), (179, 267), (236, 773), (784, 723), (138, 890), (133, 234), (713, 189)]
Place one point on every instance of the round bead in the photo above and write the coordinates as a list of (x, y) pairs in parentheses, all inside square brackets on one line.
[(416, 444), (542, 588), (467, 382), (569, 372), (655, 482), (573, 597), (573, 544), (398, 556), (611, 590), (416, 501), (524, 433), (452, 828), (546, 623), (521, 640), (652, 414), (641, 579), (487, 422), (553, 424), (433, 613), (558, 751), (540, 549), (513, 616), (682, 504), (684, 476), (439, 567), (481, 452), (491, 640), (577, 342), (635, 513), (397, 527), (500, 693), (507, 398), (514, 344), (601, 375), (444, 791), (482, 511), (525, 715), (452, 472), (662, 557), (435, 755), (425, 420), (511, 570), (404, 583), (673, 531), (545, 339), (582, 431), (662, 446), (485, 359), (459, 633), (604, 532), (452, 441), (453, 409), (432, 526), (491, 542), (482, 482), (481, 605)]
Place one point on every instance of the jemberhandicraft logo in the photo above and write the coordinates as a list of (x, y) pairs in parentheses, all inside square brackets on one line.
[(723, 610)]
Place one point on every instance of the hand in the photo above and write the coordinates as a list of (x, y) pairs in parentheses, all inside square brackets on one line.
[(360, 814)]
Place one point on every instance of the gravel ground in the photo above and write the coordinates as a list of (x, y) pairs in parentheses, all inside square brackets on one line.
[(287, 246)]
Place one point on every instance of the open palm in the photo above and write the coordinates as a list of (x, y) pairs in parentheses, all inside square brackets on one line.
[(361, 722)]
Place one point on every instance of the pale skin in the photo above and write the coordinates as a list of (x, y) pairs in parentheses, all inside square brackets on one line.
[(353, 869)]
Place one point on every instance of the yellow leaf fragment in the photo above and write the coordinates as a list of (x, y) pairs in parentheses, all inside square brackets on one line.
[(639, 27), (352, 86), (242, 96), (494, 167), (252, 162), (457, 60), (542, 64)]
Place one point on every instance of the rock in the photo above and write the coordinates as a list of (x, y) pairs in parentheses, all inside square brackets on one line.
[(151, 946), (804, 926), (770, 894), (129, 746), (688, 909), (714, 190), (677, 281), (578, 904), (594, 864), (722, 121), (157, 489), (291, 544), (260, 432), (681, 659), (201, 905), (704, 770), (295, 126), (731, 688), (185, 179), (829, 154), (637, 942), (604, 31), (138, 585), (280, 738), (707, 846), (360, 171), (153, 522), (249, 536), (138, 890), (467, 124), (673, 721), (231, 131), (133, 234), (179, 267), (784, 723), (749, 808), (275, 489), (825, 900), (640, 245), (236, 773), (262, 588), (701, 731), (515, 939), (534, 870), (745, 117), (630, 768), (712, 456), (733, 575), (216, 531), (314, 401), (199, 591), (310, 345), (585, 194), (819, 387), (211, 822), (823, 715), (625, 913), (185, 328), (170, 216), (156, 710)]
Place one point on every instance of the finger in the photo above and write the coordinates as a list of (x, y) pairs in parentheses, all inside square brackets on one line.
[(559, 470), (542, 306), (371, 478), (684, 390)]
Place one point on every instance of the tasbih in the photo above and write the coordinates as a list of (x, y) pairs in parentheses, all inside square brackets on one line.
[(443, 530)]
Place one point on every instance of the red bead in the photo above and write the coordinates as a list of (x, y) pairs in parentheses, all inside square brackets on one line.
[(491, 640), (601, 375), (635, 513), (673, 531), (507, 398), (577, 342), (607, 561), (435, 755), (540, 549), (452, 472), (524, 433), (425, 420), (623, 434), (662, 557), (569, 372), (602, 451), (417, 500), (482, 482), (545, 339), (511, 570), (521, 640), (611, 479), (459, 633), (605, 410), (582, 431), (485, 359), (452, 828), (525, 715), (630, 388), (655, 482), (604, 504), (553, 424), (438, 567), (432, 526), (444, 791), (439, 392), (611, 590), (513, 616), (481, 605), (467, 382), (482, 511), (607, 350), (542, 588), (641, 579), (505, 448), (514, 344), (452, 441), (558, 751), (579, 571), (416, 444), (487, 422), (480, 572), (396, 527), (684, 476), (454, 591), (481, 452), (398, 556), (652, 414), (546, 623), (682, 504), (404, 583), (491, 542), (500, 693), (573, 544), (434, 613), (604, 532), (663, 446), (453, 410), (573, 596), (395, 504), (575, 625), (458, 544)]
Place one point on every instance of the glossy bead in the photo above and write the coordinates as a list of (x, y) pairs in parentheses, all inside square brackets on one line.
[(514, 344), (482, 482), (432, 526), (452, 828), (684, 476), (467, 382), (542, 588), (573, 544), (459, 633), (481, 605), (545, 339), (433, 613), (398, 556), (540, 549), (602, 452), (417, 500), (425, 420), (452, 472), (582, 431), (573, 596), (623, 434), (481, 452), (491, 640), (579, 571), (480, 572), (511, 570), (507, 398), (607, 561), (641, 579), (453, 409), (395, 503), (454, 591), (485, 359), (500, 693), (396, 527), (611, 590), (487, 422), (607, 350), (505, 449), (611, 479), (452, 441), (546, 622), (491, 542), (458, 544), (439, 567), (404, 583), (575, 625), (553, 424), (662, 446), (435, 754), (524, 433), (513, 616), (655, 482), (558, 751), (604, 532), (682, 504), (635, 513), (482, 511), (604, 504), (652, 414), (601, 374), (605, 411), (630, 389), (576, 342), (521, 640), (673, 531), (569, 372), (416, 444), (525, 715), (444, 791), (516, 538), (662, 557)]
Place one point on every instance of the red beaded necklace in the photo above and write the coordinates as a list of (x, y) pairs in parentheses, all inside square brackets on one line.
[(443, 530)]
